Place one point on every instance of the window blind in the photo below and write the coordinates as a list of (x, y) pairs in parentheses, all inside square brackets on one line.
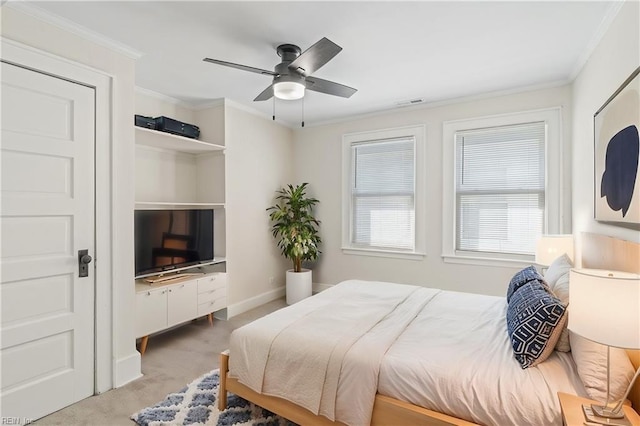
[(500, 188), (382, 194)]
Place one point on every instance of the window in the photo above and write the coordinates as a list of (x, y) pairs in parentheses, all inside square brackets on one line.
[(500, 181), (501, 186), (380, 196)]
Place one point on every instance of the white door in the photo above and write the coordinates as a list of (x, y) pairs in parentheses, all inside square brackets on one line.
[(47, 215)]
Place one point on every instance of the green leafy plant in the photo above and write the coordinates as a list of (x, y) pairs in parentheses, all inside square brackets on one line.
[(295, 225)]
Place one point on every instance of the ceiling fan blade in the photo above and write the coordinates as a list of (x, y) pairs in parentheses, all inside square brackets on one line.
[(241, 67), (329, 87), (315, 57), (266, 94)]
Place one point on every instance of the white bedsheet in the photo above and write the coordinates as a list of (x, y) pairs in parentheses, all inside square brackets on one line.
[(324, 353), (442, 350), (456, 358)]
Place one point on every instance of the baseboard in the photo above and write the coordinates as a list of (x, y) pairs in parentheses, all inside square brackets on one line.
[(254, 302), (127, 369), (318, 287)]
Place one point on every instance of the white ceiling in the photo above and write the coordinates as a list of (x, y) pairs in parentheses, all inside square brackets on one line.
[(392, 51)]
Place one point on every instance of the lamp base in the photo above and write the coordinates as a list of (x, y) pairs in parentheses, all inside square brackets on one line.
[(602, 411), (592, 417)]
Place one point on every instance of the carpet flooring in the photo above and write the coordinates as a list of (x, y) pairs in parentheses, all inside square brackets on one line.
[(172, 359), (197, 405)]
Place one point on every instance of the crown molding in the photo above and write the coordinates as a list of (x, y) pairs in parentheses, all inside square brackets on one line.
[(209, 104), (252, 111), (602, 29), (164, 98), (436, 104), (72, 27), (199, 107)]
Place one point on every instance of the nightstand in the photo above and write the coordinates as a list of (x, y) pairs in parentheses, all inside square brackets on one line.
[(572, 414)]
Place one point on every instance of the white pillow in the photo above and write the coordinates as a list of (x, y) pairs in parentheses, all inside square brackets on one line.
[(561, 266), (591, 360), (561, 291)]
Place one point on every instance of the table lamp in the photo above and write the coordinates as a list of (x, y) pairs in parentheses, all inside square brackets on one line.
[(605, 308), (549, 247)]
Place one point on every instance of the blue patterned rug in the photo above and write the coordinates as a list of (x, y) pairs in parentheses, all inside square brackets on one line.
[(197, 404)]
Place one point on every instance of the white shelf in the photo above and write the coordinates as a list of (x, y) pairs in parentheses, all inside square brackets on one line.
[(149, 205), (165, 140)]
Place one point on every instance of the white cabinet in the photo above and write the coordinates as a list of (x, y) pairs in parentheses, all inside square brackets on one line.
[(163, 306), (182, 303), (151, 311)]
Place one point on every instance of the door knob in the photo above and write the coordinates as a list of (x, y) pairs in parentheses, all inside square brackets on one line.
[(83, 263)]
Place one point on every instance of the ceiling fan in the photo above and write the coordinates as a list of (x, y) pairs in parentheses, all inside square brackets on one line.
[(293, 75)]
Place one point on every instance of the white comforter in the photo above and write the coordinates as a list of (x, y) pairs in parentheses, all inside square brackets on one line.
[(446, 351)]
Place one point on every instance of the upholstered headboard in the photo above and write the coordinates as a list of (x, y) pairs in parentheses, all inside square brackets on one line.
[(602, 252)]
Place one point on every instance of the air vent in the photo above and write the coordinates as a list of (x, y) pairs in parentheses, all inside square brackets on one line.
[(410, 102)]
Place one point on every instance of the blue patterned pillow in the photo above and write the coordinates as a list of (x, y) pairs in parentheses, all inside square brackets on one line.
[(521, 278), (535, 319)]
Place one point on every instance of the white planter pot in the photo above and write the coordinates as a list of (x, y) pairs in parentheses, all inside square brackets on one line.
[(298, 285)]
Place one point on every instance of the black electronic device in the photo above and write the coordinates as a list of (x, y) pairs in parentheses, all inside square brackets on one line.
[(169, 125), (146, 122), (168, 240)]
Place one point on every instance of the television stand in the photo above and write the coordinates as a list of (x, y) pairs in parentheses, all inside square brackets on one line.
[(181, 298)]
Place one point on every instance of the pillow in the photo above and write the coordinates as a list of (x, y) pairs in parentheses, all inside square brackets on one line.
[(591, 362), (521, 278), (535, 319), (561, 291), (561, 266), (557, 277)]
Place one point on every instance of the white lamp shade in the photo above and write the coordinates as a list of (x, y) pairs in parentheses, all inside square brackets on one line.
[(550, 247), (604, 306), (289, 90)]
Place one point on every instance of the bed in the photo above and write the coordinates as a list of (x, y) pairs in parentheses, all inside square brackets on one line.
[(445, 360)]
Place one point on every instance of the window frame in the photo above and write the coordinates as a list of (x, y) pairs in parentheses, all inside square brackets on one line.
[(417, 133), (552, 117)]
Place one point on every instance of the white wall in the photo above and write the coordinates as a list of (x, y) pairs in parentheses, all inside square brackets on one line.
[(613, 60), (318, 161), (259, 160), (20, 27)]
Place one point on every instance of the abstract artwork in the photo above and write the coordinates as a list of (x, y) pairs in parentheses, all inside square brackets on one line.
[(617, 155)]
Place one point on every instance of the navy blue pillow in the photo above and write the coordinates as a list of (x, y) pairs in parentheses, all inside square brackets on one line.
[(521, 278), (535, 319)]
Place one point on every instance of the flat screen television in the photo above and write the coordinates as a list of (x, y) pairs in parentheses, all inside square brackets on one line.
[(168, 240)]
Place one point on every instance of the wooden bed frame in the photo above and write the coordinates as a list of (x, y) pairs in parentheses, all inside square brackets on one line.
[(598, 252)]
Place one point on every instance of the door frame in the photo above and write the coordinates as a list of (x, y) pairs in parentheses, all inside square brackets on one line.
[(39, 61)]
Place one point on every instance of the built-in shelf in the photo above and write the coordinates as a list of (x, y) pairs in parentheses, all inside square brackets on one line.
[(163, 140), (149, 205)]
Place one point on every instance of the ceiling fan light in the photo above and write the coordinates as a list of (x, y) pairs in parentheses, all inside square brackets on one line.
[(288, 90)]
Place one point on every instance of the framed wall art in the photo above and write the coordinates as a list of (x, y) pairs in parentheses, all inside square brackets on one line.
[(617, 154)]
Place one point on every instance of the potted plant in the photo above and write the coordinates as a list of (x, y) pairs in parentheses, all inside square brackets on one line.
[(297, 230)]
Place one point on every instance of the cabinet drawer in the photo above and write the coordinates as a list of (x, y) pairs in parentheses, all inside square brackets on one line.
[(212, 282), (210, 295), (212, 306)]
